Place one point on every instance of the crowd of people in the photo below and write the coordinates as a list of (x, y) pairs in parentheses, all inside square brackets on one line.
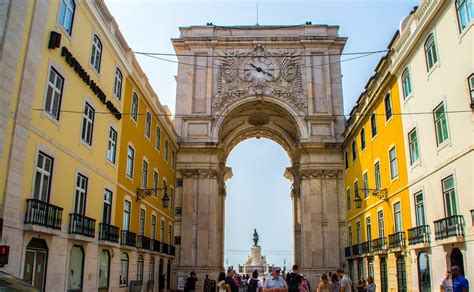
[(339, 281)]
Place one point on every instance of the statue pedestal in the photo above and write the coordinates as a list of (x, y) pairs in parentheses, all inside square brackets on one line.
[(255, 261)]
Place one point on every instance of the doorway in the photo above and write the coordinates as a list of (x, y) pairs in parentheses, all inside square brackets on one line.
[(36, 258), (457, 259)]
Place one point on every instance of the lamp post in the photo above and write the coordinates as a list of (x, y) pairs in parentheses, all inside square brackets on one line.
[(382, 194), (142, 193)]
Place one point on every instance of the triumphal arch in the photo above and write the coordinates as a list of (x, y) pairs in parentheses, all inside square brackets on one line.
[(278, 82)]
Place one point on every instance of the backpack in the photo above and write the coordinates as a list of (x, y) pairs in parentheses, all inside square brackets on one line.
[(253, 285), (293, 282)]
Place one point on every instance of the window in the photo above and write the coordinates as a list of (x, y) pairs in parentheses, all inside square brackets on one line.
[(348, 199), (365, 179), (346, 159), (140, 269), (413, 146), (166, 149), (383, 275), (87, 123), (430, 52), (112, 146), (155, 183), (107, 209), (406, 83), (54, 93), (441, 123), (349, 237), (66, 14), (130, 158), (419, 209), (76, 269), (141, 223), (470, 81), (358, 232), (388, 107), (162, 231), (126, 215), (370, 267), (151, 269), (165, 188), (378, 178), (124, 270), (360, 267), (96, 53), (392, 154), (144, 174), (465, 12), (424, 274), (134, 107), (153, 227), (118, 80), (170, 231), (397, 215), (104, 269), (449, 196), (148, 125), (356, 188), (172, 159), (354, 150), (171, 198), (158, 138), (362, 139), (43, 176), (80, 195), (373, 125), (368, 229), (381, 224)]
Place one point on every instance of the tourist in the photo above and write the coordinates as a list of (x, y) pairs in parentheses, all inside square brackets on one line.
[(207, 284), (346, 282), (275, 281), (446, 284), (324, 285), (243, 284), (361, 284), (371, 284), (304, 285), (293, 279), (335, 286), (254, 284), (460, 284), (229, 281), (190, 285), (221, 285)]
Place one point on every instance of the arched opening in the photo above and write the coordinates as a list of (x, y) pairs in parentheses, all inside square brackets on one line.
[(36, 258), (258, 198), (457, 259)]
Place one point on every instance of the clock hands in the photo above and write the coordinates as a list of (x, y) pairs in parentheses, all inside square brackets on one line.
[(261, 70)]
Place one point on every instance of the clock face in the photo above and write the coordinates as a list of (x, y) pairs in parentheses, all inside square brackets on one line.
[(259, 69)]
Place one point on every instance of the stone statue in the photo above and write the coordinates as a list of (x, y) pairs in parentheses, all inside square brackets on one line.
[(255, 237)]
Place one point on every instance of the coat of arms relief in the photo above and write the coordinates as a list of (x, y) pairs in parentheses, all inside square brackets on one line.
[(259, 72)]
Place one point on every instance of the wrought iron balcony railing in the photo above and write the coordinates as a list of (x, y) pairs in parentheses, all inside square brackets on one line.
[(348, 251), (379, 244), (43, 214), (419, 234), (128, 238), (155, 245), (82, 225), (172, 250), (396, 240), (366, 247), (143, 242), (449, 226), (108, 232), (164, 248)]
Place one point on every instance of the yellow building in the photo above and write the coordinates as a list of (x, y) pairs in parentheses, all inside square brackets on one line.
[(69, 76), (375, 181)]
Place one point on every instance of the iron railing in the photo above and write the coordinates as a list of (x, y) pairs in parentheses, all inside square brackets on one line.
[(419, 234), (366, 247), (82, 225), (379, 244), (128, 238), (172, 250), (43, 213), (356, 249), (155, 245), (108, 232), (449, 226), (164, 248), (348, 251), (143, 242), (396, 240)]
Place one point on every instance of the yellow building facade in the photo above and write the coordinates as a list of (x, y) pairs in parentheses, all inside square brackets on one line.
[(65, 133), (375, 181)]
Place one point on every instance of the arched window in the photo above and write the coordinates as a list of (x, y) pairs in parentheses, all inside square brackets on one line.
[(118, 83), (465, 12), (96, 53), (124, 270), (383, 275), (457, 259), (104, 269), (140, 269), (76, 268), (430, 52), (401, 274), (151, 269), (66, 14), (424, 274), (406, 83)]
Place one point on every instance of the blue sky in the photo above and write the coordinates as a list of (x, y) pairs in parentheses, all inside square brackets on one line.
[(258, 165)]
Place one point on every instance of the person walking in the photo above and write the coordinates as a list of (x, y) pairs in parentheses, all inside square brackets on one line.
[(346, 282), (229, 281), (324, 285), (335, 286), (207, 284), (275, 281), (460, 284), (255, 285), (370, 284), (446, 284), (304, 285), (293, 279), (361, 284), (221, 285), (190, 285)]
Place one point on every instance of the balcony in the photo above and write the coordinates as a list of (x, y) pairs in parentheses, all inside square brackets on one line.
[(43, 214), (82, 225), (348, 251), (143, 242), (172, 250), (128, 238), (379, 244), (356, 249), (396, 240), (366, 247), (452, 226), (108, 232), (164, 248), (419, 234), (155, 245)]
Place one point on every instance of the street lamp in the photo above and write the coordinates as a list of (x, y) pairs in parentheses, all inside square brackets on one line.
[(382, 194), (142, 193)]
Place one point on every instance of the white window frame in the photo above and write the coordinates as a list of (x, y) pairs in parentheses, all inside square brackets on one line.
[(381, 223), (170, 234), (148, 122), (166, 154), (80, 194), (112, 145), (158, 138), (388, 107), (413, 146), (419, 206), (118, 83), (156, 182), (45, 175), (87, 128), (393, 163), (130, 162), (431, 52), (145, 167), (126, 224), (463, 14), (438, 123), (69, 8), (96, 52), (134, 107), (365, 183), (397, 217), (142, 221), (406, 83), (377, 175), (373, 125), (54, 93)]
